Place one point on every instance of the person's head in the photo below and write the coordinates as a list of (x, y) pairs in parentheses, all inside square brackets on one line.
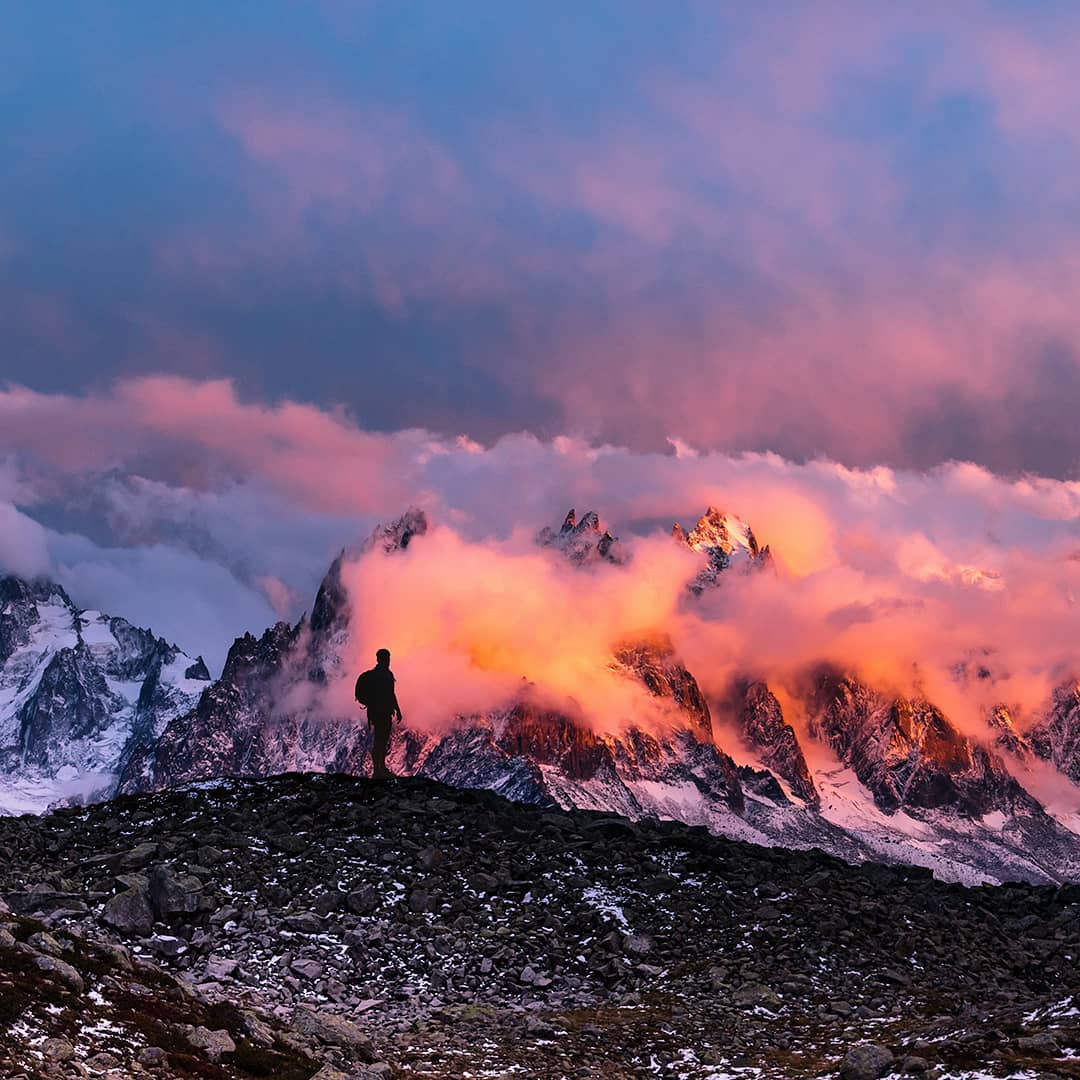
[(382, 658)]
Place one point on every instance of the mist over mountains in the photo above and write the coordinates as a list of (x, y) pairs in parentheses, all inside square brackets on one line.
[(576, 669)]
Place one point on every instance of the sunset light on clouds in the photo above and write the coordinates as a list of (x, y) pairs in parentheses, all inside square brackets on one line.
[(496, 262), (539, 538)]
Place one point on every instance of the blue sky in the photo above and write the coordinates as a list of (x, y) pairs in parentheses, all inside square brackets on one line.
[(839, 230)]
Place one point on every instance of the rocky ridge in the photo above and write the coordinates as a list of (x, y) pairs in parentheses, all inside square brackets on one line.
[(892, 779), (725, 540), (81, 693), (906, 784), (1056, 736), (582, 542), (314, 925)]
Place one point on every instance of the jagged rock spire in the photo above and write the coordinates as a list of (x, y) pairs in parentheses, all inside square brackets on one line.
[(399, 533), (725, 540), (582, 542)]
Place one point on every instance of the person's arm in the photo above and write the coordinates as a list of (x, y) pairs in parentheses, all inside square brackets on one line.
[(397, 708)]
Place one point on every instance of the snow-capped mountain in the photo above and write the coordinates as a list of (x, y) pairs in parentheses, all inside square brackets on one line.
[(582, 542), (851, 770), (1056, 736), (80, 692), (725, 540), (763, 726), (892, 779)]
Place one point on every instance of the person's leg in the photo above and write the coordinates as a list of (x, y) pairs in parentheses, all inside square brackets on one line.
[(379, 746)]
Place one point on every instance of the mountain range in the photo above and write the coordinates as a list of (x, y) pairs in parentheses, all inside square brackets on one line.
[(91, 706)]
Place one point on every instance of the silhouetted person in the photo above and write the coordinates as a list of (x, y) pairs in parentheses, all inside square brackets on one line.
[(375, 691)]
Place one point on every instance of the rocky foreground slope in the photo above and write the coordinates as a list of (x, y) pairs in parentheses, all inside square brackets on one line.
[(322, 925)]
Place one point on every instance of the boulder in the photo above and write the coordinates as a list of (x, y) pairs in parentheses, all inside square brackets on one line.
[(214, 1044), (152, 1057), (307, 969), (363, 901), (60, 971), (57, 1050), (130, 912), (327, 1027), (44, 942), (866, 1061), (172, 895), (221, 967), (1041, 1045), (755, 993)]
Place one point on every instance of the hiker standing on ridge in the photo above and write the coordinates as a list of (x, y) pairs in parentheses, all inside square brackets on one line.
[(375, 691)]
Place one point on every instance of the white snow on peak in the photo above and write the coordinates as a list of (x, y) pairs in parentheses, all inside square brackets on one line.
[(96, 631), (727, 532), (84, 766)]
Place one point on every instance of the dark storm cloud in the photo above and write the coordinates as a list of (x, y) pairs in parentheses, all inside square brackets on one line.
[(822, 230)]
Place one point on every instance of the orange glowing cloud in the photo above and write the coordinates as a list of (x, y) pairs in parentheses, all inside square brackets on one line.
[(900, 576), (472, 624)]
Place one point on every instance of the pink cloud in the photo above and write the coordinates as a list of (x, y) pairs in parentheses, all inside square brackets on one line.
[(902, 575), (201, 430), (321, 154)]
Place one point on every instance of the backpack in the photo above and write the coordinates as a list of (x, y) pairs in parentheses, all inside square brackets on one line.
[(365, 688)]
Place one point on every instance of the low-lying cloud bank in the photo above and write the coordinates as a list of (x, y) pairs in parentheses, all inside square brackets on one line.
[(180, 505)]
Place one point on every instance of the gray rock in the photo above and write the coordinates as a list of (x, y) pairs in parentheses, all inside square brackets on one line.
[(57, 1050), (483, 882), (326, 902), (1043, 1045), (539, 1028), (327, 1027), (363, 901), (167, 945), (639, 944), (755, 993), (117, 955), (152, 1057), (130, 912), (257, 1029), (332, 1072), (421, 901), (214, 1044), (866, 1061), (137, 857), (308, 969), (290, 845), (173, 895), (431, 858), (306, 922), (43, 942), (224, 915), (60, 971), (220, 967), (102, 1062)]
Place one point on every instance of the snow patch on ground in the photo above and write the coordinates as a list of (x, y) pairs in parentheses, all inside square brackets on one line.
[(604, 901)]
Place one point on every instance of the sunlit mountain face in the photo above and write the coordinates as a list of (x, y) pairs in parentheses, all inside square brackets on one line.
[(573, 669)]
